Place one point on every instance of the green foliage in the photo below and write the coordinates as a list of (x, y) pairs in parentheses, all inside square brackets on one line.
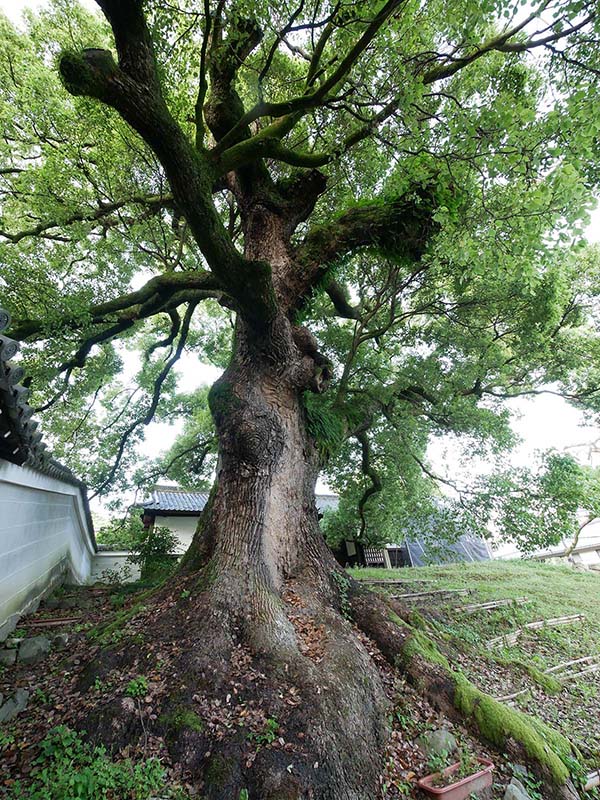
[(41, 696), (122, 533), (532, 786), (325, 424), (267, 735), (154, 551), (540, 508), (7, 738), (477, 287), (137, 687), (436, 762), (70, 769)]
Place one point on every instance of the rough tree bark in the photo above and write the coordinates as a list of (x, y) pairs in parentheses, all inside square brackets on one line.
[(271, 574)]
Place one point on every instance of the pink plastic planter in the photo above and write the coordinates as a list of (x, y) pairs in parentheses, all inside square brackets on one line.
[(463, 788)]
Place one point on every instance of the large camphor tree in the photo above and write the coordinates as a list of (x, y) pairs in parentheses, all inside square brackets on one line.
[(384, 198)]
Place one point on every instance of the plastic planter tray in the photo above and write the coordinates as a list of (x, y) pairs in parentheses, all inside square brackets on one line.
[(462, 788)]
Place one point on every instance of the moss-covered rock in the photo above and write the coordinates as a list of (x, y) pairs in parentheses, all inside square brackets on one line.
[(183, 718)]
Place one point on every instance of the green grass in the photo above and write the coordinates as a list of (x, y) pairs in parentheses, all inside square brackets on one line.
[(553, 591)]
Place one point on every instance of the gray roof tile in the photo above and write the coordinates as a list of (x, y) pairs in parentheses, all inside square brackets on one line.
[(181, 501), (176, 500)]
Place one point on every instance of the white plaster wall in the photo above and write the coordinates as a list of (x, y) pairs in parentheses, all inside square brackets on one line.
[(43, 535), (183, 527), (590, 556), (114, 561)]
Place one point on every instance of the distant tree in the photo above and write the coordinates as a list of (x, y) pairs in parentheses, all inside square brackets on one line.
[(539, 509), (122, 533)]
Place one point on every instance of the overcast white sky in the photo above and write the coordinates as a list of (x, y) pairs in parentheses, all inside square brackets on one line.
[(542, 422)]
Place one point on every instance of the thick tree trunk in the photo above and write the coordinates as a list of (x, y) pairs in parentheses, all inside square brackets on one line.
[(272, 585)]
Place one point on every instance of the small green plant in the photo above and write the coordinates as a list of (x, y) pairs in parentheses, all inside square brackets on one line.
[(468, 765), (118, 600), (70, 769), (184, 596), (268, 734), (7, 738), (154, 552), (137, 687), (117, 576), (19, 633), (403, 720), (437, 762), (116, 636), (83, 626), (40, 696), (534, 787), (98, 686), (577, 770)]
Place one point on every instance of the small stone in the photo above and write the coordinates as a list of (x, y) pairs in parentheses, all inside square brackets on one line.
[(34, 649), (520, 770), (8, 657), (437, 742), (517, 783), (14, 705), (60, 640), (128, 703), (514, 793)]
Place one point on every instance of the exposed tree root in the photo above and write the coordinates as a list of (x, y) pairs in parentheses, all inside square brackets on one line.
[(221, 698), (308, 722), (525, 738)]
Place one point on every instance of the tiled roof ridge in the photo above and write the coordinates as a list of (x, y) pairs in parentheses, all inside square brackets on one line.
[(20, 441), (177, 490)]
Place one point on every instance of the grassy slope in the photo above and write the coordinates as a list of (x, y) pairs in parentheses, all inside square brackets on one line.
[(552, 591)]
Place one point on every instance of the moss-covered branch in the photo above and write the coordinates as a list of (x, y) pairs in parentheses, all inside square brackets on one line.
[(506, 42), (98, 215), (496, 722), (402, 226), (294, 108), (224, 107), (133, 89), (158, 295)]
